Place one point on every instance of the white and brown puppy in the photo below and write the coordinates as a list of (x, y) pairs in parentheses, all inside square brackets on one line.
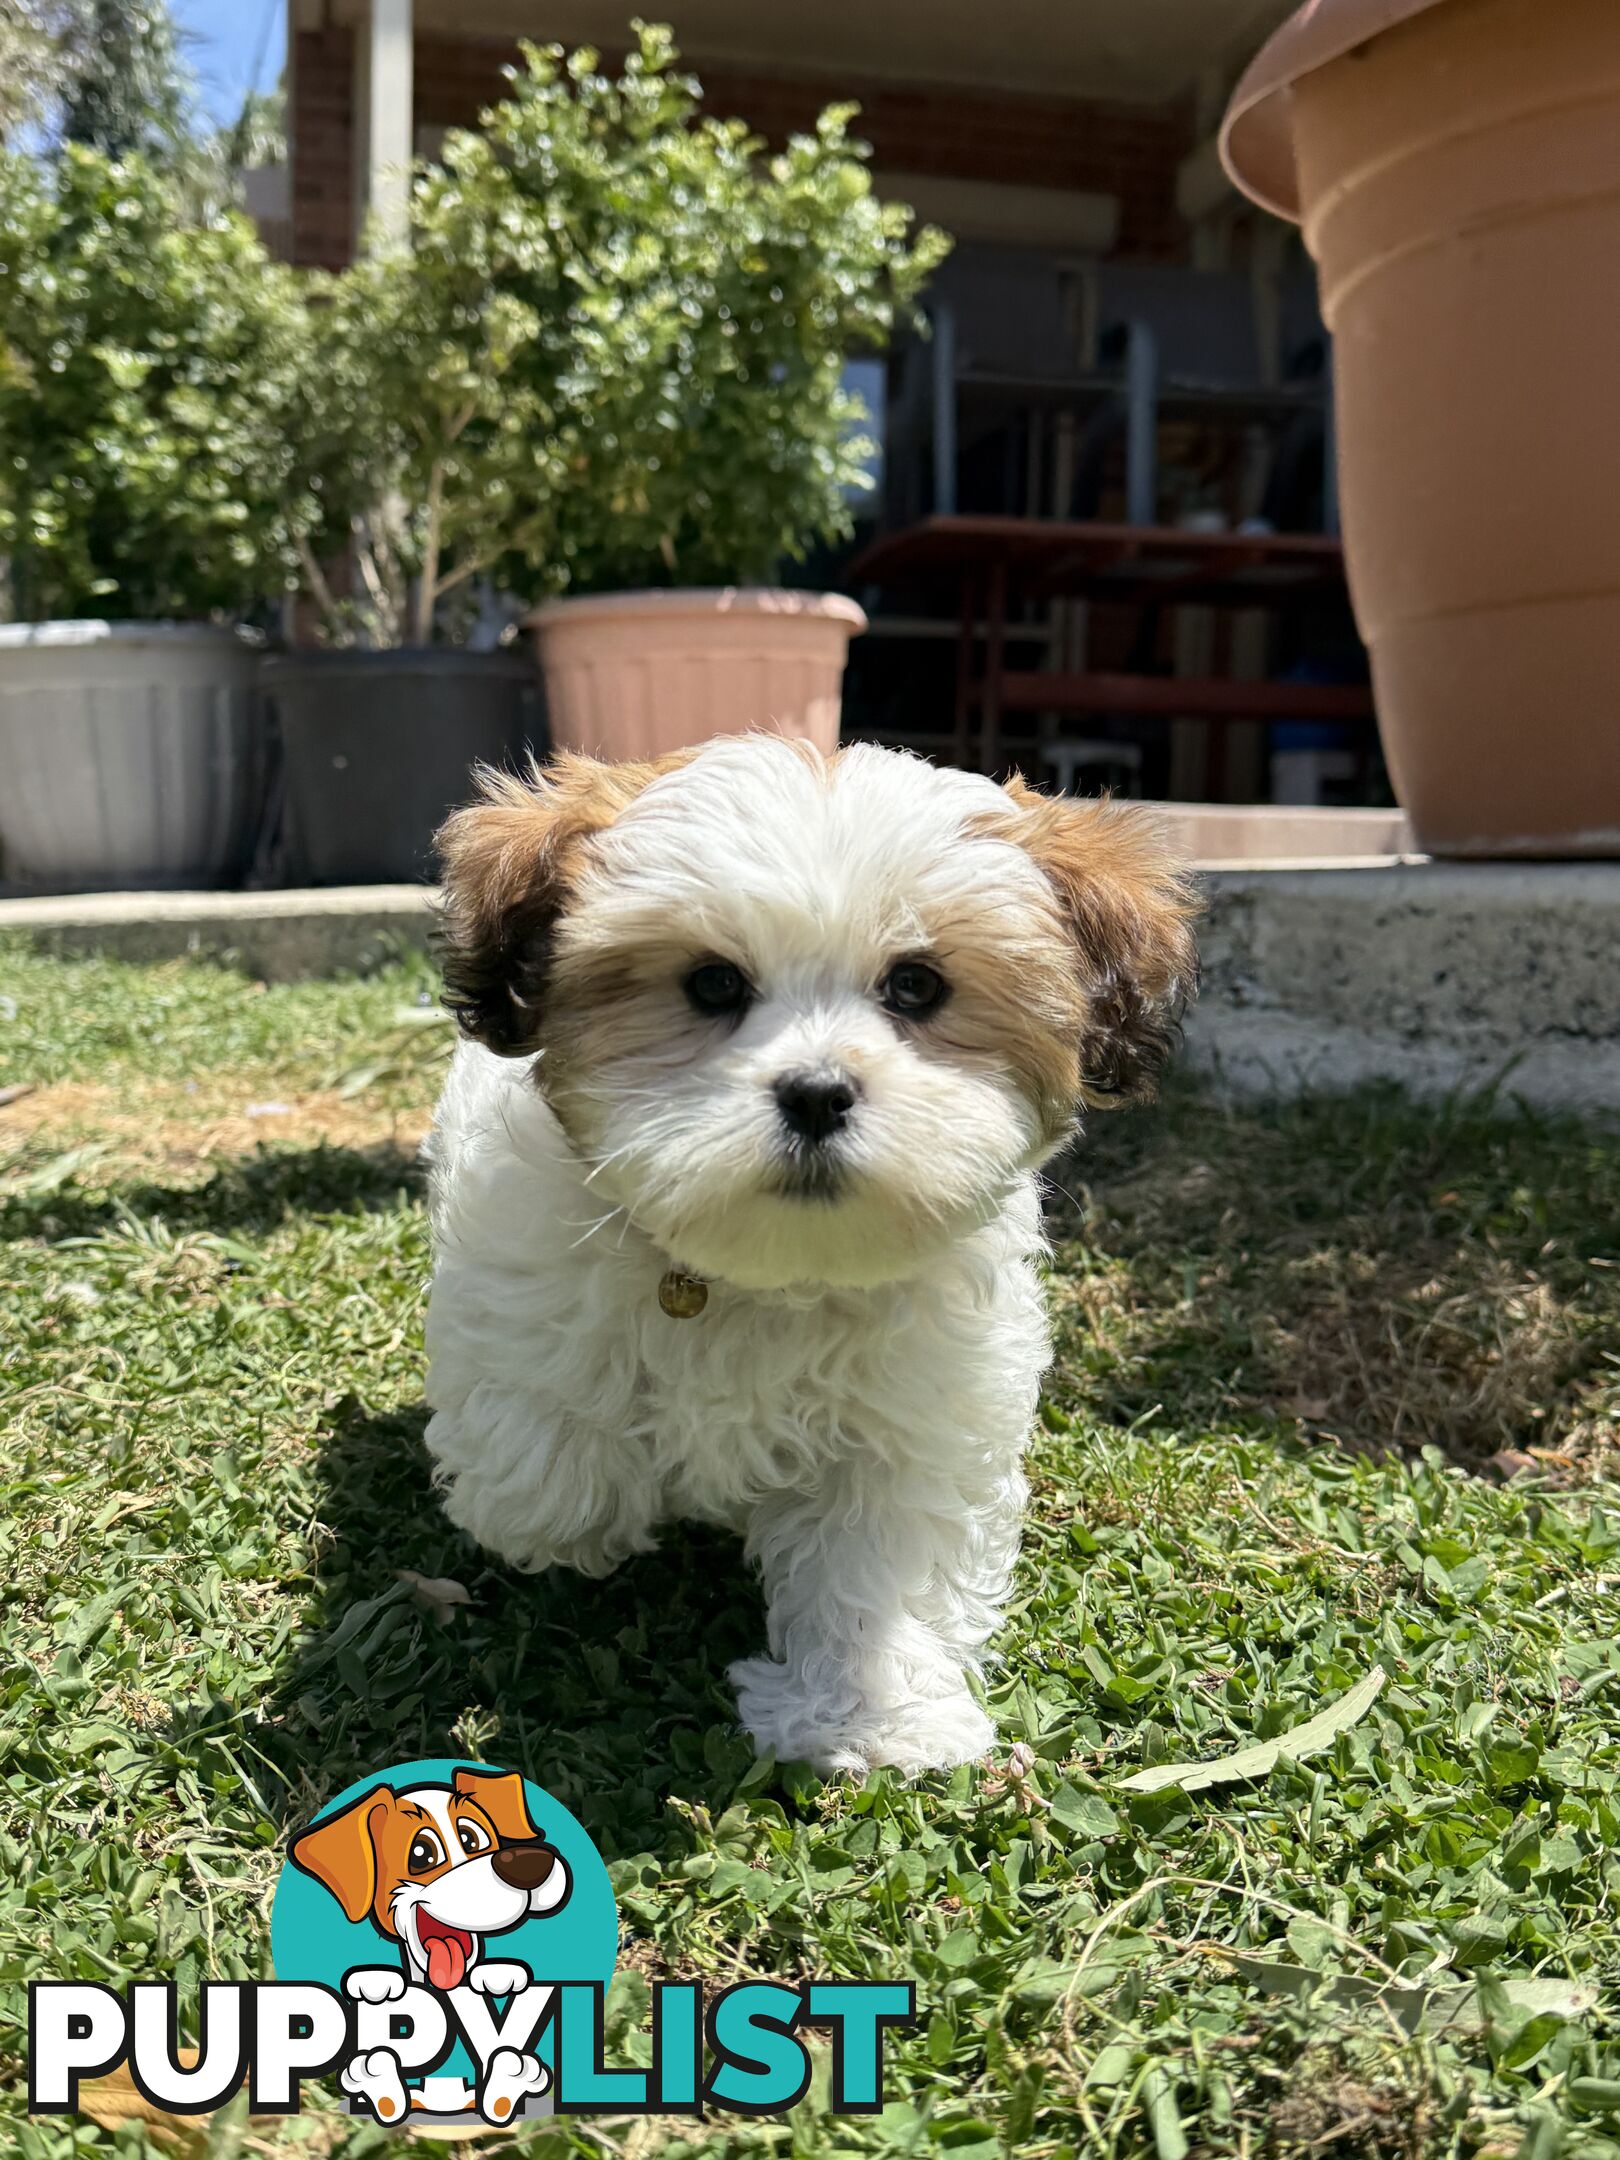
[(784, 1039)]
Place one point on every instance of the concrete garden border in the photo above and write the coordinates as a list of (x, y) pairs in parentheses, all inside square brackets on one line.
[(1316, 977)]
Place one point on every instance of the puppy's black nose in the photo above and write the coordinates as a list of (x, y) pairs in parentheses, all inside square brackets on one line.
[(523, 1867), (815, 1104)]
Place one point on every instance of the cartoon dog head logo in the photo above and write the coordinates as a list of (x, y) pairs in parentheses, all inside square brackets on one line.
[(439, 1869), (443, 1903)]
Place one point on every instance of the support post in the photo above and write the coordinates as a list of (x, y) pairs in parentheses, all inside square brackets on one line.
[(967, 601), (995, 651), (384, 103), (943, 359), (1141, 423)]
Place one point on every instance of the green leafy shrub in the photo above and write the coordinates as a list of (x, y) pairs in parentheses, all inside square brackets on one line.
[(146, 371), (698, 301), (425, 456), (613, 354)]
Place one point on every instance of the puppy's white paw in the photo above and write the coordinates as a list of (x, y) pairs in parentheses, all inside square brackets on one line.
[(509, 2081), (494, 1977), (931, 1732), (375, 1984), (376, 2078), (925, 1736)]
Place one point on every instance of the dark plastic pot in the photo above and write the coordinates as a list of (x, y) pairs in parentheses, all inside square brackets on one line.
[(379, 747)]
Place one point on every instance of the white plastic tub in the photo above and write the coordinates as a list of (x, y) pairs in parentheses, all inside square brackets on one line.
[(131, 755)]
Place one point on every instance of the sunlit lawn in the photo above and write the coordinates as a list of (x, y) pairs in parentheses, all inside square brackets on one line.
[(212, 1266)]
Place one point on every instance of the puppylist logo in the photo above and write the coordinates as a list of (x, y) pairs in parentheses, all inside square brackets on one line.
[(443, 1937)]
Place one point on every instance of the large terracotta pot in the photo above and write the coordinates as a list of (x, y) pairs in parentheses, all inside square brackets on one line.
[(1456, 167), (631, 675)]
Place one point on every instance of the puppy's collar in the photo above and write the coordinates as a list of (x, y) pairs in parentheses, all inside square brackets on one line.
[(682, 1296)]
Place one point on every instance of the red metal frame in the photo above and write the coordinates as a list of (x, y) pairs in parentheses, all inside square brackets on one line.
[(1036, 558)]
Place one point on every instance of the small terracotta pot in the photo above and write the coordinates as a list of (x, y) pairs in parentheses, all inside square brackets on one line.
[(631, 675), (1453, 163)]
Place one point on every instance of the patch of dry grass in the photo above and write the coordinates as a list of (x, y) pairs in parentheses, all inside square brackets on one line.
[(1368, 1272), (190, 1128), (1337, 2113)]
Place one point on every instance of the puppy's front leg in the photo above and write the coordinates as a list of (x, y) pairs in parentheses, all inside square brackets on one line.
[(883, 1586), (540, 1489)]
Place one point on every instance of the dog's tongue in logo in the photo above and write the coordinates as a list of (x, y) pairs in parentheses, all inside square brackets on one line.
[(446, 1949)]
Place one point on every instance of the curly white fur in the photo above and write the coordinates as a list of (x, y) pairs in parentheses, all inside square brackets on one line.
[(856, 1397)]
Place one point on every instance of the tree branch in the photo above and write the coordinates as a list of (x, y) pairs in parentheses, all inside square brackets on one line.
[(428, 587), (387, 613), (315, 578), (475, 565)]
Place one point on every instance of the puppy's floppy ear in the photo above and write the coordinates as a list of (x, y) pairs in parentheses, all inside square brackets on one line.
[(509, 860), (1129, 908), (500, 1795), (342, 1852)]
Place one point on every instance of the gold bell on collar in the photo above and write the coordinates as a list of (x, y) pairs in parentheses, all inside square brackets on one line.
[(681, 1295)]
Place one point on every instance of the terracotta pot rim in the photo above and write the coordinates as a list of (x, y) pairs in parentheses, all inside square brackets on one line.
[(687, 601), (1257, 134)]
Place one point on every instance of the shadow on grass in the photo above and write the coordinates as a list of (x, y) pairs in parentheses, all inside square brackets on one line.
[(611, 1694), (248, 1195), (1362, 1268)]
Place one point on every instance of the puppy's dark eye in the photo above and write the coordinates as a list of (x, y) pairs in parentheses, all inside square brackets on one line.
[(914, 989), (426, 1852), (473, 1836), (717, 987)]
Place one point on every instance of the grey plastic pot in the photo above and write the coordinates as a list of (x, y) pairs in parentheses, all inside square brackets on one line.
[(131, 755), (378, 748)]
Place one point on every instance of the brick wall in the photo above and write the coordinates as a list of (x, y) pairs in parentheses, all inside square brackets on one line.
[(321, 127), (1127, 151)]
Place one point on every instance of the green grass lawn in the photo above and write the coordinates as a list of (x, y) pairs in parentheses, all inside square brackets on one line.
[(212, 1268)]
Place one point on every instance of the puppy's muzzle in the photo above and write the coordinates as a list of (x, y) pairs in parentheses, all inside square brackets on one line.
[(816, 1103), (523, 1867)]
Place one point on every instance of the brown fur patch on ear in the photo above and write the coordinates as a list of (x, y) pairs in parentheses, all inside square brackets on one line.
[(500, 1795), (1129, 909), (509, 860), (342, 1852)]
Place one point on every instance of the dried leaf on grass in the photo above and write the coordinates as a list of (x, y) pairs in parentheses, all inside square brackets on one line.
[(1415, 2005), (437, 1594), (115, 2100), (1258, 1761)]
